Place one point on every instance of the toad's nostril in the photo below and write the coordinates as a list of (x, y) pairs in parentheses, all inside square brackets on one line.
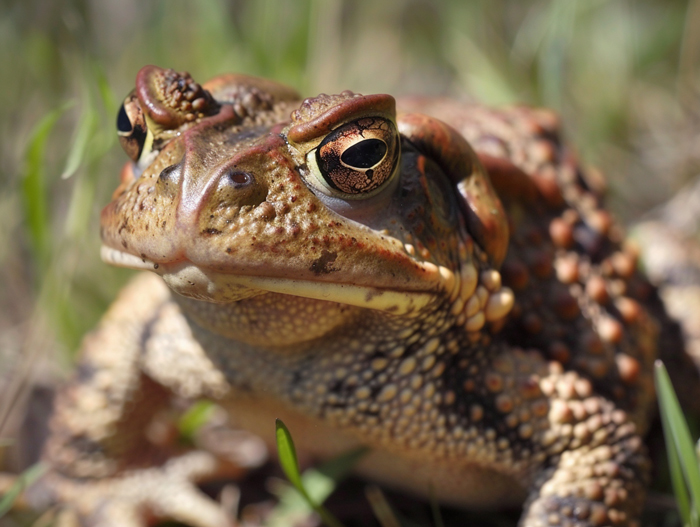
[(169, 173), (236, 188), (240, 179)]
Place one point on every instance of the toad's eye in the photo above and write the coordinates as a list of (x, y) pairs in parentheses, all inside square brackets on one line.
[(356, 159), (131, 127)]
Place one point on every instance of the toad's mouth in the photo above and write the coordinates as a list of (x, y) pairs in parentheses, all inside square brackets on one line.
[(191, 281)]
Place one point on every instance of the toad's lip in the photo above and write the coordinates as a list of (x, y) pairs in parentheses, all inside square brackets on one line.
[(191, 281)]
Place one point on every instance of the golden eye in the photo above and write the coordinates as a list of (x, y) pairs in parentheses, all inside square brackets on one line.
[(357, 158), (132, 128)]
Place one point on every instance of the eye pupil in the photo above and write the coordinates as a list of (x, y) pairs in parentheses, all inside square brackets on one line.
[(123, 122), (364, 154)]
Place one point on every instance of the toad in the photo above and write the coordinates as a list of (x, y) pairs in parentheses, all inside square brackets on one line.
[(441, 285)]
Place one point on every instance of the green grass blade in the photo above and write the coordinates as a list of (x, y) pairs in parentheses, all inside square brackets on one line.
[(34, 189), (195, 418), (84, 132), (25, 479), (104, 140), (319, 483), (674, 466), (674, 421), (680, 432), (288, 456), (290, 465), (109, 101)]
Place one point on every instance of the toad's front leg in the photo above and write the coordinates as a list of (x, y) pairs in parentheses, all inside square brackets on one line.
[(594, 469), (104, 463)]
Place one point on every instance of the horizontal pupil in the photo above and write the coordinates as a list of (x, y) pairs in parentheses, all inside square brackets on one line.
[(364, 154), (123, 122)]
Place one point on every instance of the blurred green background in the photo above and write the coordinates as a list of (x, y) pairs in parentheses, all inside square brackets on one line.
[(621, 72)]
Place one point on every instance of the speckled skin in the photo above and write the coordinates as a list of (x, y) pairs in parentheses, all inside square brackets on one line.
[(497, 353)]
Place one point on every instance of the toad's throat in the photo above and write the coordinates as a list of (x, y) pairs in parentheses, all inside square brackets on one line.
[(191, 281)]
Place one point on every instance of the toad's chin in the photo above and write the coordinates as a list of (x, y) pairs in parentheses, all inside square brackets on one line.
[(191, 281)]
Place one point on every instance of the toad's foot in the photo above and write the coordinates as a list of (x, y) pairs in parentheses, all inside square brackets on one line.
[(138, 497), (597, 467)]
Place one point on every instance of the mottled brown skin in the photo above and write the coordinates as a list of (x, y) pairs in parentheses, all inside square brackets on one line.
[(496, 353)]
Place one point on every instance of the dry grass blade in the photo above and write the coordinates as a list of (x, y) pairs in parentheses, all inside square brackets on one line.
[(22, 481), (380, 506)]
